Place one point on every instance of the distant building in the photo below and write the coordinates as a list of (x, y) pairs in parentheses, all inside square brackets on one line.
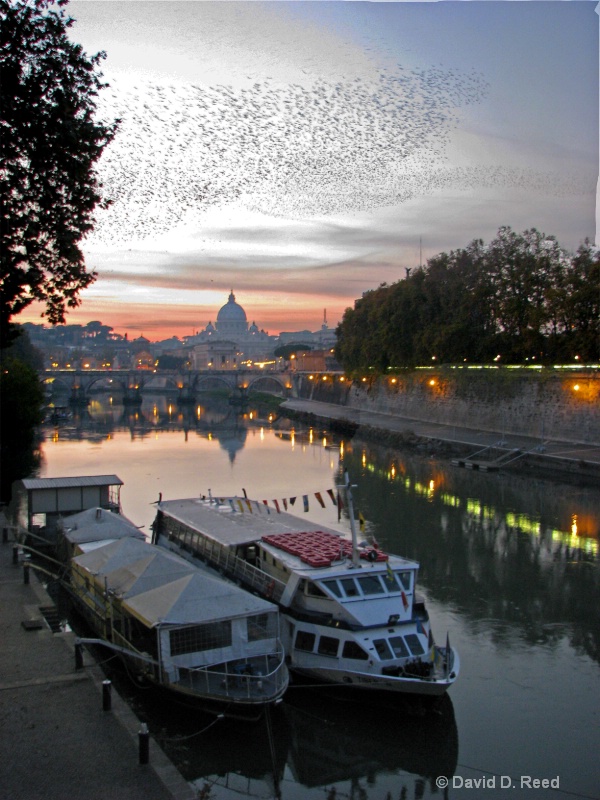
[(323, 339), (230, 343)]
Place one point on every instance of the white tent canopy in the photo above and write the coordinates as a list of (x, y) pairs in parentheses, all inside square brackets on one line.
[(160, 587)]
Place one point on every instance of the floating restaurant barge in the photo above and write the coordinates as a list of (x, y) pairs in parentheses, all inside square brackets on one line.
[(350, 612), (180, 627)]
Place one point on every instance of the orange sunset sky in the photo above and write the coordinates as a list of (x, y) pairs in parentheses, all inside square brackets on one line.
[(304, 153)]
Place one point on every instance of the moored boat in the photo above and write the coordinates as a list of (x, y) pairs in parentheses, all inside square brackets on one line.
[(181, 627), (351, 615)]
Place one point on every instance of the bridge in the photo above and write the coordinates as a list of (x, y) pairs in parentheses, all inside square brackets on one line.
[(185, 385)]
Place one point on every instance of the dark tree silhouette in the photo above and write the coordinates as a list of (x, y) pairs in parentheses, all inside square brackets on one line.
[(50, 144)]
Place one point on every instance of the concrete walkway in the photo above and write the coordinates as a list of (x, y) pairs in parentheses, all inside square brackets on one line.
[(550, 449), (57, 742)]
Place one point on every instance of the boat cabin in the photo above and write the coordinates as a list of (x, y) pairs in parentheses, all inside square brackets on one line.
[(40, 503)]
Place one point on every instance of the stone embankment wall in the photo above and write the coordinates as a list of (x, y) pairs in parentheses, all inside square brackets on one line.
[(546, 404)]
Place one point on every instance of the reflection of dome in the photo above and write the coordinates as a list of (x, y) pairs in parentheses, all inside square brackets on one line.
[(232, 317)]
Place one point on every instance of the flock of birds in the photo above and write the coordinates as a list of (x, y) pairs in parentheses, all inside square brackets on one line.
[(300, 151)]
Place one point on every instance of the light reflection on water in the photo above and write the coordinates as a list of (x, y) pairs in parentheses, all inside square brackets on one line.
[(510, 568)]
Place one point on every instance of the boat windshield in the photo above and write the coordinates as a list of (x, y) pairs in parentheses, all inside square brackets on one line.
[(369, 585)]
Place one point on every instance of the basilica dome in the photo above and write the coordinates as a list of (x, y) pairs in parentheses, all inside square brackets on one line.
[(231, 318)]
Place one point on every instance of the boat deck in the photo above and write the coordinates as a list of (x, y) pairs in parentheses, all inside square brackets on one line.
[(255, 681)]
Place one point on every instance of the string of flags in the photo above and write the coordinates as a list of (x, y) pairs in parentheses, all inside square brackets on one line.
[(245, 505)]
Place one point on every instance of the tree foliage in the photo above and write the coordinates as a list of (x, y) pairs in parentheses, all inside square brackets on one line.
[(20, 412), (521, 297), (51, 142)]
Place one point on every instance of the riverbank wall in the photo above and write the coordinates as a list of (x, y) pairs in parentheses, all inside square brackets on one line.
[(546, 404)]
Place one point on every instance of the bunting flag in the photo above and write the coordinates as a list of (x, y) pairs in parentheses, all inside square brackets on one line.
[(375, 543), (242, 503), (430, 640), (404, 601), (420, 628), (390, 573), (361, 521)]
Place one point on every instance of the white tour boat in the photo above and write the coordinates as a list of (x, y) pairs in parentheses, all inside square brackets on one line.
[(351, 615)]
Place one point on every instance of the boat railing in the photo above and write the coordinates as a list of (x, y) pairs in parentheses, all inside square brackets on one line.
[(224, 559), (254, 678)]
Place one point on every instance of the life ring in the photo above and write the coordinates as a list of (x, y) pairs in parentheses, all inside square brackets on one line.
[(372, 555)]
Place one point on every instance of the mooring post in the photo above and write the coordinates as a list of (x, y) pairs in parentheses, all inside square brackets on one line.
[(106, 695), (78, 655), (144, 741), (4, 535), (15, 553), (26, 566)]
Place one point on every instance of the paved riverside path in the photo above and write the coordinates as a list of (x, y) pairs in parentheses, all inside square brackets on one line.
[(56, 741), (550, 449)]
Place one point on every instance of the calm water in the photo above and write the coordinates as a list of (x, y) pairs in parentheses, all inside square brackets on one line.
[(510, 567)]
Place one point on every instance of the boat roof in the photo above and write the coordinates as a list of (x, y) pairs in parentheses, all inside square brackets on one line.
[(236, 521), (71, 483), (159, 587), (301, 545), (98, 524), (196, 598)]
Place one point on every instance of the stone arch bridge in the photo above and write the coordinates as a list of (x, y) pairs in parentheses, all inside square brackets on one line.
[(80, 385)]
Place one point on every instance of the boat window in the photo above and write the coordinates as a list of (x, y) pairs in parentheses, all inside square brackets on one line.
[(328, 646), (391, 581), (406, 578), (354, 650), (333, 587), (196, 638), (398, 646), (383, 649), (370, 584), (312, 590), (350, 588), (416, 648), (305, 641), (262, 626)]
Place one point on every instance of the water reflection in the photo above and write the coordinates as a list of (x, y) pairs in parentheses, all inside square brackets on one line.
[(312, 740), (513, 554), (509, 564)]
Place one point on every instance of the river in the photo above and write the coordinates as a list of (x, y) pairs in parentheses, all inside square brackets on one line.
[(510, 568)]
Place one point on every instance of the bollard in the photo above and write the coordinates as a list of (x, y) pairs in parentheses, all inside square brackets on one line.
[(78, 655), (4, 535), (26, 566), (15, 553), (144, 740), (106, 696)]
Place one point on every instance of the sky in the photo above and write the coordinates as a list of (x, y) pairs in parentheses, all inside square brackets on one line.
[(302, 153)]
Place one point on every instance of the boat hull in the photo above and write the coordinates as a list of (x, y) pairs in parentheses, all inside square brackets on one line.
[(368, 682)]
